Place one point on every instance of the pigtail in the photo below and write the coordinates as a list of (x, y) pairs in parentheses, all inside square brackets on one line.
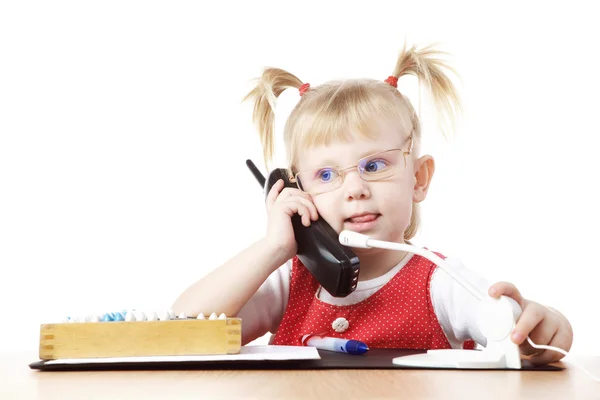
[(430, 71), (270, 85)]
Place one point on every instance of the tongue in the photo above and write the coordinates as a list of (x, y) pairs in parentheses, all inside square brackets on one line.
[(364, 218)]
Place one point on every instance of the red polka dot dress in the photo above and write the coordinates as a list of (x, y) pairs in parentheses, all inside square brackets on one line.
[(399, 315)]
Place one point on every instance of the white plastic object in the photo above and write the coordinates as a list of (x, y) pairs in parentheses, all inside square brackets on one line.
[(355, 239), (496, 319)]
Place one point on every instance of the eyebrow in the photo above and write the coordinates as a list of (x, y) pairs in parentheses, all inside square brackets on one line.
[(328, 162)]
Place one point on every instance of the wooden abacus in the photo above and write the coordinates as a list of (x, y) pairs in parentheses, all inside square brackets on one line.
[(170, 337)]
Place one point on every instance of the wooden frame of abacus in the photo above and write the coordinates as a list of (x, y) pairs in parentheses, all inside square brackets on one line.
[(140, 338)]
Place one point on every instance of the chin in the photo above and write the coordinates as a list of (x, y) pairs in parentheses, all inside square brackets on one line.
[(386, 236), (371, 252), (360, 251)]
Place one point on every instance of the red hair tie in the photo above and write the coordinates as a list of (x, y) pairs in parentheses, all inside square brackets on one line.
[(392, 80), (303, 88)]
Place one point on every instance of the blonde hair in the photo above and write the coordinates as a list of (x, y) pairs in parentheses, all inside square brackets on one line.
[(337, 110)]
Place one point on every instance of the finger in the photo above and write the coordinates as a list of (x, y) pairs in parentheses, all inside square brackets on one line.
[(542, 334), (289, 191), (274, 193), (507, 289), (314, 214), (286, 194), (304, 214), (296, 207), (527, 322), (560, 340), (311, 208), (302, 211)]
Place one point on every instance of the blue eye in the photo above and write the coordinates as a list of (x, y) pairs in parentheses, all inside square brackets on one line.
[(326, 175), (375, 165)]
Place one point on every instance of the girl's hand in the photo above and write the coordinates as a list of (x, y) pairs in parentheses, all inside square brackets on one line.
[(281, 207), (543, 326)]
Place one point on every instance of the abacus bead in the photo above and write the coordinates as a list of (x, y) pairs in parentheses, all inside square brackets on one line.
[(140, 316), (164, 316)]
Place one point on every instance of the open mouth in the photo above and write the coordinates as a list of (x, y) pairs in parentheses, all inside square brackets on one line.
[(361, 223), (363, 218)]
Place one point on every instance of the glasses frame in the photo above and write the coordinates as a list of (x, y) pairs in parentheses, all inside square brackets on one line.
[(342, 171)]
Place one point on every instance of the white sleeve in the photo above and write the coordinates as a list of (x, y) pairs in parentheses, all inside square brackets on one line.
[(264, 311), (455, 308)]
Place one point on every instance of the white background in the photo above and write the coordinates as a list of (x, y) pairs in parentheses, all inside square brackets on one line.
[(123, 143)]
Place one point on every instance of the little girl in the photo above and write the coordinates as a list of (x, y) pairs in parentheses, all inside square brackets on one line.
[(354, 150)]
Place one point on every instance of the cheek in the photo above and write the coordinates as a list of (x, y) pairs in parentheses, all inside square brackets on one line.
[(325, 204), (396, 202)]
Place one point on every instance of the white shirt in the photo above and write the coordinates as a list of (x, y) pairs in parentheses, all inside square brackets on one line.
[(454, 307)]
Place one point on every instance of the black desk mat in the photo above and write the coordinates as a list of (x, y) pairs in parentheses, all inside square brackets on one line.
[(373, 359)]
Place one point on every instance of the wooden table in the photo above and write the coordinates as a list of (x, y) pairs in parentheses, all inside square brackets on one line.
[(18, 381)]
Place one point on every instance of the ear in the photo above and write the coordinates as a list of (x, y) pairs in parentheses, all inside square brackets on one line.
[(424, 169)]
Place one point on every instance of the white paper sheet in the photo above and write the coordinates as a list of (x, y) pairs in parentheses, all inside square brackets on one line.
[(254, 352)]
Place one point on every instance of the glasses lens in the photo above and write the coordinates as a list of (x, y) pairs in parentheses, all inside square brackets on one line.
[(319, 180), (381, 165)]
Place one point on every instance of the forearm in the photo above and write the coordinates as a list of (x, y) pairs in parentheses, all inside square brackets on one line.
[(229, 287)]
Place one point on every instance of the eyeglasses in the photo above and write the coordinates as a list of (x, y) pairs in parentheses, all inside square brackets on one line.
[(374, 167)]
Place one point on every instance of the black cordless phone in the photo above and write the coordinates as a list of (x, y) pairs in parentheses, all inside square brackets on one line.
[(333, 265)]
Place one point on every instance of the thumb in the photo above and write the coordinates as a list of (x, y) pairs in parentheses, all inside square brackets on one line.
[(506, 289)]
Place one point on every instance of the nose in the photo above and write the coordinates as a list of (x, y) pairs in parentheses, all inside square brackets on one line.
[(355, 187)]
